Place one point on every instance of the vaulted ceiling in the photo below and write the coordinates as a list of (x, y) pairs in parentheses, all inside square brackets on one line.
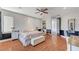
[(52, 11)]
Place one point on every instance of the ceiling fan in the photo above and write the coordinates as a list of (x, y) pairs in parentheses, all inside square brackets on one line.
[(42, 11)]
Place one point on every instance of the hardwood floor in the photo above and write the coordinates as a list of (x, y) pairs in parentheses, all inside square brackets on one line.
[(52, 43)]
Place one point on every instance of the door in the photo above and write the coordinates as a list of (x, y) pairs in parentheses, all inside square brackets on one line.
[(55, 26)]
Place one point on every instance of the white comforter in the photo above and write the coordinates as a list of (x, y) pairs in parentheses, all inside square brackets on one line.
[(25, 37)]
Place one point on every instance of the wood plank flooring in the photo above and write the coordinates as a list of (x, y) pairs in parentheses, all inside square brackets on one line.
[(52, 43)]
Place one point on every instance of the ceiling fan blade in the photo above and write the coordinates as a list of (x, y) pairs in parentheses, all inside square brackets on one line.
[(38, 9), (45, 9), (45, 12)]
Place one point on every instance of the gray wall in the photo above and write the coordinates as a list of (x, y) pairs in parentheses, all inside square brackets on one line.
[(21, 21)]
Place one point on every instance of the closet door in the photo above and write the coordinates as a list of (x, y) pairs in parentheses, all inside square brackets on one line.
[(7, 24)]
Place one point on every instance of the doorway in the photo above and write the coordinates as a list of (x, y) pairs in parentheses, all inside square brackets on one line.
[(56, 25)]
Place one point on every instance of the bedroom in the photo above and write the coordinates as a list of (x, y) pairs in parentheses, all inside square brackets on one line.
[(24, 19)]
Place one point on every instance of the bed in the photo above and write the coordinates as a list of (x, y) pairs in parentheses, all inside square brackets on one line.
[(31, 37)]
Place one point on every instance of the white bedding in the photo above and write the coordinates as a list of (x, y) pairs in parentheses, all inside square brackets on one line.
[(25, 37)]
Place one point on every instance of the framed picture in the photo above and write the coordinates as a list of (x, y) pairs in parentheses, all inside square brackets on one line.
[(71, 25), (44, 24)]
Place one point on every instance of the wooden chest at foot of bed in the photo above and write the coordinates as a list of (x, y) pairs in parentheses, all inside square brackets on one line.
[(37, 40)]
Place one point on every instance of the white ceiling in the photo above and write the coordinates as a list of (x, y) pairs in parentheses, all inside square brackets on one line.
[(52, 11), (30, 11), (63, 10)]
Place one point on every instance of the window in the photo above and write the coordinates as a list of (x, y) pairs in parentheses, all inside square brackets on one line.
[(7, 24)]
